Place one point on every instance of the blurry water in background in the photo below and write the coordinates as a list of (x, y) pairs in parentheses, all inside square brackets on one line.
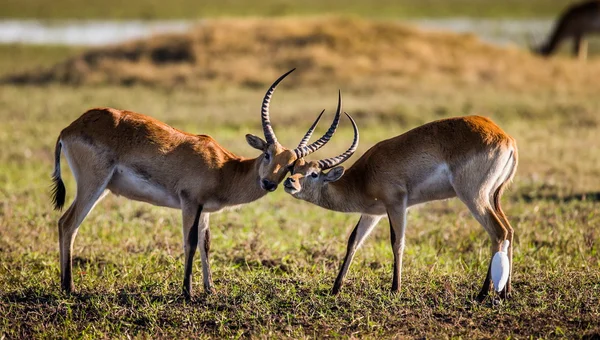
[(89, 33), (496, 31), (96, 33)]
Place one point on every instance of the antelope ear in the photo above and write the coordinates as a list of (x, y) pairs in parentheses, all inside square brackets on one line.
[(256, 142), (334, 174)]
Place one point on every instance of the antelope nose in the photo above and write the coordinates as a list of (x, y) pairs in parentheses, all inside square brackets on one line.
[(268, 185)]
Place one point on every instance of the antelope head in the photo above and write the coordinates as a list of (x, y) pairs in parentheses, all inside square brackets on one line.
[(308, 177), (276, 159)]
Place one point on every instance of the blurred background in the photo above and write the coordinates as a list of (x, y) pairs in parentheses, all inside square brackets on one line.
[(203, 67)]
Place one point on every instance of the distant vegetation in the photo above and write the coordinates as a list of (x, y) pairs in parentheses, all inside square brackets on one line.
[(357, 53), (193, 9)]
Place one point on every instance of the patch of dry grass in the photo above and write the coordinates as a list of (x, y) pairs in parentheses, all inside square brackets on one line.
[(354, 53)]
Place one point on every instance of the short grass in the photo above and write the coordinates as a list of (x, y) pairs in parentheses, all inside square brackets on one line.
[(21, 58), (177, 9), (275, 260)]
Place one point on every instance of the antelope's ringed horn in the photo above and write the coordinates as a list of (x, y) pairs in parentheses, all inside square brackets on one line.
[(303, 151), (264, 114), (310, 131), (335, 161)]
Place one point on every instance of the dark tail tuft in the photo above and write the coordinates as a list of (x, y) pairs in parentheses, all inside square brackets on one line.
[(58, 188)]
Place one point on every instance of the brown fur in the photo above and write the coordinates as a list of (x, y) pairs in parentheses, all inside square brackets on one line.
[(144, 159), (158, 148), (469, 157)]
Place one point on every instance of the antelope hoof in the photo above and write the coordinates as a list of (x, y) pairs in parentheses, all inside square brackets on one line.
[(481, 296), (187, 293), (68, 288)]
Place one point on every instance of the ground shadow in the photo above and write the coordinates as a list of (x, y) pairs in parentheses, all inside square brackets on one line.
[(124, 297)]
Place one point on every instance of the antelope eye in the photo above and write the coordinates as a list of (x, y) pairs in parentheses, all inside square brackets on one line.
[(314, 175), (267, 156)]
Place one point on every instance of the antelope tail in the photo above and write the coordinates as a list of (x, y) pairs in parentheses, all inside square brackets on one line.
[(58, 187)]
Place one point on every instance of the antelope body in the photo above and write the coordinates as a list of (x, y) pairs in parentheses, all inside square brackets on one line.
[(143, 159), (575, 23), (466, 157)]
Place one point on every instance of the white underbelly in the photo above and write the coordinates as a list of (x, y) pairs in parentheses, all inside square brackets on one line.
[(214, 206), (128, 183), (437, 185)]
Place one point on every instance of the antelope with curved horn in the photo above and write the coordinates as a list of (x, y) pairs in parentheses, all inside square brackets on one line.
[(469, 157), (143, 159), (575, 22)]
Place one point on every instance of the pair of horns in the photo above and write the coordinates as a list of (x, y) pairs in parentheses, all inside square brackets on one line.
[(329, 163), (304, 150)]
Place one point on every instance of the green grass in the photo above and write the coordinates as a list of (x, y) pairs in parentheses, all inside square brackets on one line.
[(20, 58), (275, 260), (191, 9)]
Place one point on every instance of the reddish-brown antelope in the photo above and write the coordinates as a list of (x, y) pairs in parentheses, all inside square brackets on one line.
[(469, 157), (143, 159), (575, 23)]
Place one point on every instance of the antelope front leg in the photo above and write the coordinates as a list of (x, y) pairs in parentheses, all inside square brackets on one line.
[(397, 217), (191, 216), (363, 228), (204, 233)]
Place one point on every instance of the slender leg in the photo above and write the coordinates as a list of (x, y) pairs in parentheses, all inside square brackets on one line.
[(191, 216), (363, 228), (485, 288), (397, 217), (506, 292), (484, 213), (88, 195), (204, 233)]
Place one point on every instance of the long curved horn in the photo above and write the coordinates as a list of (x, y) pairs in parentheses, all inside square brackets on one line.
[(334, 161), (303, 151), (264, 114), (310, 131)]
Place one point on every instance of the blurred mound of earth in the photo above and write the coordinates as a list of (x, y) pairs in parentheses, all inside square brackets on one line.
[(357, 54)]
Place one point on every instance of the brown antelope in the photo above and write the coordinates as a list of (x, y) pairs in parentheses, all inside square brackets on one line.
[(575, 22), (143, 159), (469, 157)]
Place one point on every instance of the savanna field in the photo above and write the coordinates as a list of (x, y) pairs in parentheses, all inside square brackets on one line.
[(274, 260)]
